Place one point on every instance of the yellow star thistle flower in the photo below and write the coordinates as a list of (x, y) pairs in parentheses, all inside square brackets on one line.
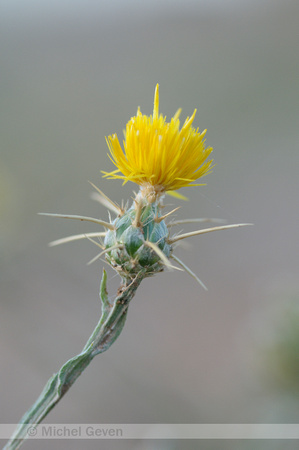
[(136, 243), (157, 155)]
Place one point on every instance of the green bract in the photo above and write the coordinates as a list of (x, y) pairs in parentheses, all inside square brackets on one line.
[(130, 252)]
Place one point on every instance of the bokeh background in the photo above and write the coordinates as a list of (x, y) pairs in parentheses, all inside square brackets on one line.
[(73, 72)]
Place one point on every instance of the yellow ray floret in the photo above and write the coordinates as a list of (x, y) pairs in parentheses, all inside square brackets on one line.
[(158, 153)]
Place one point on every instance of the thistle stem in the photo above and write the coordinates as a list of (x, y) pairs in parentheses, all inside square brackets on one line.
[(105, 333)]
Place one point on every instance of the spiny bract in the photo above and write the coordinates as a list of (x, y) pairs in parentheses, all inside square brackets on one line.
[(131, 243)]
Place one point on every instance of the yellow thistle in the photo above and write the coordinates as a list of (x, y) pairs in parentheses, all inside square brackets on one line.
[(137, 244), (157, 155), (160, 157)]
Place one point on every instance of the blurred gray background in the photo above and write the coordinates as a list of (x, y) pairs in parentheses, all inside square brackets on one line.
[(75, 72)]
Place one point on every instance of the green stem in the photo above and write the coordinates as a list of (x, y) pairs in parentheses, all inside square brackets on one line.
[(106, 332)]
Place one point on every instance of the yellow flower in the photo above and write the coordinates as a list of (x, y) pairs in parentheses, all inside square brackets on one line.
[(157, 155)]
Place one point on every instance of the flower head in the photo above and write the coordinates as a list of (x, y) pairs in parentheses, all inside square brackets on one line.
[(158, 155)]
